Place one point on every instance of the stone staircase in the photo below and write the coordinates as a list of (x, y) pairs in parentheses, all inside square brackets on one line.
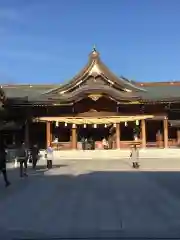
[(115, 154)]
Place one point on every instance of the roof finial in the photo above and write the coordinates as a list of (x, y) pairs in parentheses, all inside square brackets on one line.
[(94, 48), (94, 53)]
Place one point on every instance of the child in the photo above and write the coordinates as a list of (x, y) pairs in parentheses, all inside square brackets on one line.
[(135, 156)]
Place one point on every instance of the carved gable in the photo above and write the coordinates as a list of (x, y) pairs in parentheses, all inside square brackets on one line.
[(95, 80)]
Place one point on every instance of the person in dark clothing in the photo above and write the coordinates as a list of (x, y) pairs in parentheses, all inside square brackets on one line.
[(91, 143), (23, 157), (3, 162), (83, 142), (35, 152)]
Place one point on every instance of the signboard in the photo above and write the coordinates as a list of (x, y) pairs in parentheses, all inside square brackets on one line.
[(174, 114)]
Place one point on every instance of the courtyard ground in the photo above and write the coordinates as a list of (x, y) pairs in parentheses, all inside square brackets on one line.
[(93, 198)]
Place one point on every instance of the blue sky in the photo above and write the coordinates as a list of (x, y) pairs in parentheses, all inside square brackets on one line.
[(48, 41)]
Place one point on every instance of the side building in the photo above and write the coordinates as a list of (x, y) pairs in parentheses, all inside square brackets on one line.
[(95, 104)]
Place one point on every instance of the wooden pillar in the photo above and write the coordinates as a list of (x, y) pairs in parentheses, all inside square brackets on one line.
[(48, 134), (51, 136), (143, 133), (178, 137), (74, 137), (165, 133), (26, 134), (118, 135)]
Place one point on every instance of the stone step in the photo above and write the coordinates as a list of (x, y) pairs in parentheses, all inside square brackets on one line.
[(109, 154)]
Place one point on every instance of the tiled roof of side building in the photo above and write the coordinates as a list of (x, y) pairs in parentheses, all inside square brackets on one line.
[(158, 91), (157, 83), (17, 91)]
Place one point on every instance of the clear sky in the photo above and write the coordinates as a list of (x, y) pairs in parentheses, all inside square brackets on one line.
[(48, 41)]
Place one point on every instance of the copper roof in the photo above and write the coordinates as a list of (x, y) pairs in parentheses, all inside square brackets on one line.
[(118, 87)]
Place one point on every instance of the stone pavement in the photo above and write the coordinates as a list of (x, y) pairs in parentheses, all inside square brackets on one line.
[(116, 154), (94, 198)]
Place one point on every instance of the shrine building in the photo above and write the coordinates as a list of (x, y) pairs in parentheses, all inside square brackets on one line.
[(94, 104)]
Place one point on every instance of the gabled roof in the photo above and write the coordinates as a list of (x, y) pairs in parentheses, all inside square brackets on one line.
[(154, 91), (95, 67), (95, 77), (86, 90)]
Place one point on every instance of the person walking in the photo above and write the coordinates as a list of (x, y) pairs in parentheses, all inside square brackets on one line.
[(23, 157), (35, 152), (49, 157), (135, 156), (3, 162)]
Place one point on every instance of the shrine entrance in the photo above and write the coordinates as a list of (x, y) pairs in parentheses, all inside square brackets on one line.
[(116, 130), (96, 133), (93, 135)]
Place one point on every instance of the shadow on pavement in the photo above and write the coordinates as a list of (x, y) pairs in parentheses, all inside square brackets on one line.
[(102, 204)]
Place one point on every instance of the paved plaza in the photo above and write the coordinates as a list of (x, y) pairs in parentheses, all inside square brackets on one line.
[(93, 198)]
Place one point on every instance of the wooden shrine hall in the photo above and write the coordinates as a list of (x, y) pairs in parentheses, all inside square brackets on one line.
[(96, 104)]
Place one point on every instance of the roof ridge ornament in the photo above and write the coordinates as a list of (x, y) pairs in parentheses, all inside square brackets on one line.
[(94, 48), (94, 53)]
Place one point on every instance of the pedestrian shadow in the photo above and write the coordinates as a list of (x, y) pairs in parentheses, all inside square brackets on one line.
[(39, 167), (43, 167), (15, 179)]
